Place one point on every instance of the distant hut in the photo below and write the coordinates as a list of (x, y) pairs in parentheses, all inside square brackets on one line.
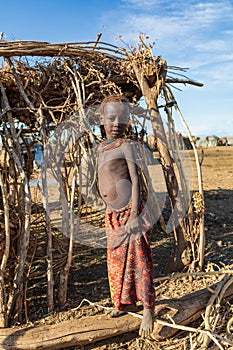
[(208, 141)]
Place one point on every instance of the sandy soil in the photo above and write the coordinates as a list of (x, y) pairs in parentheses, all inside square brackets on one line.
[(88, 275)]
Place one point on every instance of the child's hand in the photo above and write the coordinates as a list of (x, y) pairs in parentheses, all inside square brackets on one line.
[(133, 226)]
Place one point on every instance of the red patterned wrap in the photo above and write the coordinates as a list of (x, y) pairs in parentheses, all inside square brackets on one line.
[(129, 259)]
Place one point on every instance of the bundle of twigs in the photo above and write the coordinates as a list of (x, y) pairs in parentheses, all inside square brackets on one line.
[(50, 87), (70, 49)]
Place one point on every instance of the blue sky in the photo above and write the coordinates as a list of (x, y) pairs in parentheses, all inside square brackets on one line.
[(193, 34)]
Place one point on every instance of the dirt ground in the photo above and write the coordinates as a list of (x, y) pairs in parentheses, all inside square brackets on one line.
[(88, 275)]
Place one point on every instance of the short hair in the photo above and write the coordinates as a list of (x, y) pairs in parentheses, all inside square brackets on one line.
[(113, 98)]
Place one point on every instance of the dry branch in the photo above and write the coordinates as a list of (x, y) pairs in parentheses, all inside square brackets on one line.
[(184, 310)]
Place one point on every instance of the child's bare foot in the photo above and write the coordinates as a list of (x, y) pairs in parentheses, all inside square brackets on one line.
[(147, 324), (125, 308)]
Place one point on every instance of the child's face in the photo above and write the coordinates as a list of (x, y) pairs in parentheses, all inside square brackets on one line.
[(115, 119)]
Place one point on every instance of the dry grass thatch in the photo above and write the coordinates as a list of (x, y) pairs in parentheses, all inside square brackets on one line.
[(49, 79)]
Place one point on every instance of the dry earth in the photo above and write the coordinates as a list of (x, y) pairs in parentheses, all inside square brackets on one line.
[(88, 275)]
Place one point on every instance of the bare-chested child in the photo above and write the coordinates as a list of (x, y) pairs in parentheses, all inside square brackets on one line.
[(129, 257)]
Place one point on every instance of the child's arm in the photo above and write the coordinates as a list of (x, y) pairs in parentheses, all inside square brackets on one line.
[(133, 223), (130, 157)]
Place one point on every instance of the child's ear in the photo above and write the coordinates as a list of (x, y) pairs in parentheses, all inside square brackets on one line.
[(101, 118)]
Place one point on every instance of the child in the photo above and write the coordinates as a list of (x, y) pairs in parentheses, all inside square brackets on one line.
[(129, 257)]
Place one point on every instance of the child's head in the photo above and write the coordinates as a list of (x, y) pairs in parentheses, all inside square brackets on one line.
[(114, 115)]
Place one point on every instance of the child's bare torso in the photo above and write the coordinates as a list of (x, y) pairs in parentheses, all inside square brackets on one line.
[(114, 179)]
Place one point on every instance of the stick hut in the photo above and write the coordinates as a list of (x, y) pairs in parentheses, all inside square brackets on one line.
[(46, 87)]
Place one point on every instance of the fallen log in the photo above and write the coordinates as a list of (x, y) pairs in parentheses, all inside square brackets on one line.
[(92, 329), (184, 310), (67, 333)]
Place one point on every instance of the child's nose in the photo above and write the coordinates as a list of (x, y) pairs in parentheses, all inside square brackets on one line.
[(116, 122)]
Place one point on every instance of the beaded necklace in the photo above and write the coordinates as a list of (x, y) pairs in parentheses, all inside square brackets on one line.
[(107, 145)]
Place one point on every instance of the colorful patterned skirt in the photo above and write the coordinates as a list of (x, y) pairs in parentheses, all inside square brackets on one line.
[(129, 259)]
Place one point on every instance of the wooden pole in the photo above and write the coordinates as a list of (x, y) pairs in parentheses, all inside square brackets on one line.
[(178, 258)]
